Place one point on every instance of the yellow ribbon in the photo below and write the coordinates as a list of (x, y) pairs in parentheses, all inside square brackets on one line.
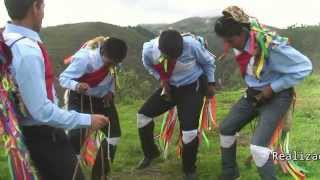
[(5, 84), (113, 72), (164, 61)]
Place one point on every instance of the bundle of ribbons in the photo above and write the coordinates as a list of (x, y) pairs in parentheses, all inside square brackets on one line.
[(280, 144), (90, 148), (207, 122), (265, 39), (11, 112)]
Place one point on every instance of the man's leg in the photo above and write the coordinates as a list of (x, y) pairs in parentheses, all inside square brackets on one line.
[(270, 114), (153, 107), (115, 130), (52, 153), (241, 114), (189, 104), (108, 146), (76, 136)]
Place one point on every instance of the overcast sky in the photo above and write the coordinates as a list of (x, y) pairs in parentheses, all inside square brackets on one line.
[(279, 13)]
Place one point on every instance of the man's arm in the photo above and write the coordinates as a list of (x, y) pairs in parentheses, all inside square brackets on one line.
[(147, 63), (292, 64), (30, 78), (75, 70), (206, 60)]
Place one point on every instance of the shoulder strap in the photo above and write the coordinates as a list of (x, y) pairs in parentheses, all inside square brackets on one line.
[(14, 42), (10, 46), (7, 56)]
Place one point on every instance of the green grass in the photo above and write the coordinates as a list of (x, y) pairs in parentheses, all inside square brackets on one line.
[(304, 137)]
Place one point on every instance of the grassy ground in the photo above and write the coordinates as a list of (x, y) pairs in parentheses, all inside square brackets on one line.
[(304, 137)]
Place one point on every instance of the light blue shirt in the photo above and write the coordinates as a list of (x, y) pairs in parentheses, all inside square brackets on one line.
[(86, 61), (29, 74), (194, 61), (284, 68)]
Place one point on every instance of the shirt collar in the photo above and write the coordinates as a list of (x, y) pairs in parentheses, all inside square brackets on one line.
[(26, 32)]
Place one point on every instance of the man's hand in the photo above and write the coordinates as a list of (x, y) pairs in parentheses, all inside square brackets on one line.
[(211, 91), (82, 88), (267, 92), (265, 95), (98, 122)]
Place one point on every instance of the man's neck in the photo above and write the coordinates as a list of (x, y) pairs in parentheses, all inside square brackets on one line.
[(24, 23)]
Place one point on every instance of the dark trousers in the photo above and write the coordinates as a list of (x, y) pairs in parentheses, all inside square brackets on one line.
[(189, 100), (243, 112), (51, 153), (86, 104)]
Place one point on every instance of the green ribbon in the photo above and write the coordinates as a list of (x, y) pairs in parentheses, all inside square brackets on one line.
[(164, 62)]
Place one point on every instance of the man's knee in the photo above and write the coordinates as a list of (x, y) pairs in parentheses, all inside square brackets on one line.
[(113, 140), (114, 137), (225, 128), (260, 154), (143, 120), (189, 136), (227, 135)]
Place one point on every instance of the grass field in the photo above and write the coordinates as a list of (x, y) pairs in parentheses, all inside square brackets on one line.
[(305, 137)]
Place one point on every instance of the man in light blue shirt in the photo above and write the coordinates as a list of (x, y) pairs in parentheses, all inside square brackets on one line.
[(90, 80), (185, 69), (271, 68), (49, 147)]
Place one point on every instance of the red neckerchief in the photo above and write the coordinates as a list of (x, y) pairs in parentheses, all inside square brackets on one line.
[(96, 77), (165, 76), (49, 75), (244, 57)]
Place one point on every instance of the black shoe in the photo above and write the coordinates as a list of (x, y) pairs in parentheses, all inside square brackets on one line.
[(145, 163), (190, 176), (223, 177)]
